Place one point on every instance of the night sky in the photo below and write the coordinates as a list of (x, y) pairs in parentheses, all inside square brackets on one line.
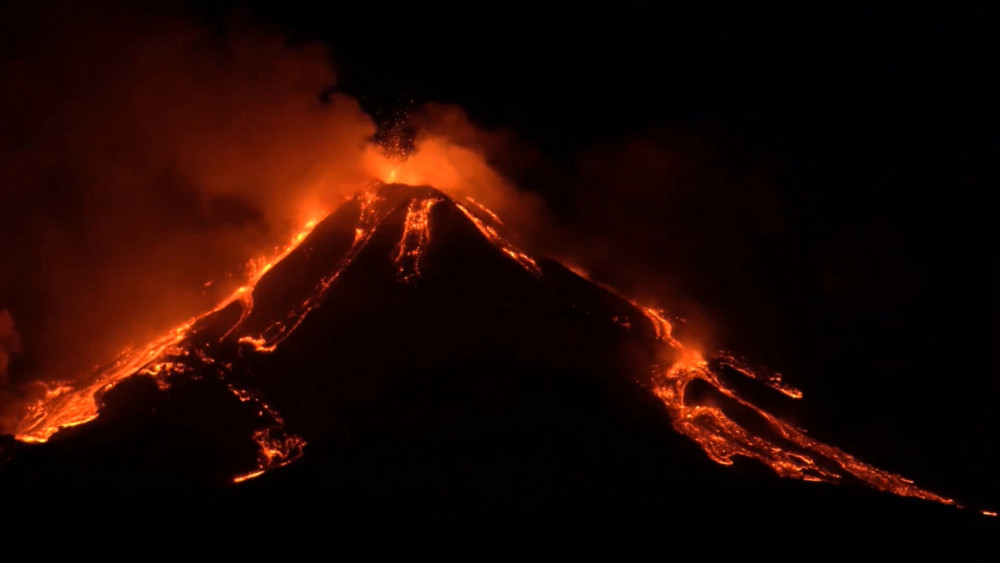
[(809, 185), (830, 215)]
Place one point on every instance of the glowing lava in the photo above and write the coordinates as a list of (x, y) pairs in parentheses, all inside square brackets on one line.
[(720, 431), (371, 216), (276, 448), (527, 262), (790, 454), (71, 403), (416, 237)]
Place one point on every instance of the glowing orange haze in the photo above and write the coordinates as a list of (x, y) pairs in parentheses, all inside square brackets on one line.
[(197, 148), (459, 170), (185, 140), (790, 454), (72, 402)]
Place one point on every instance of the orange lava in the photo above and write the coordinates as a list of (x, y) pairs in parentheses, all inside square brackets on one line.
[(485, 210), (370, 218), (71, 403), (527, 262), (416, 236), (790, 454), (276, 447), (787, 450)]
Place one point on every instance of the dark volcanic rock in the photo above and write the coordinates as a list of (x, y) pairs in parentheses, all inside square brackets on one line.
[(479, 409)]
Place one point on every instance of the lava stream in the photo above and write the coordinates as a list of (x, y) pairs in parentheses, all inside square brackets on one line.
[(416, 236), (787, 450), (722, 438), (527, 262), (71, 403), (370, 218)]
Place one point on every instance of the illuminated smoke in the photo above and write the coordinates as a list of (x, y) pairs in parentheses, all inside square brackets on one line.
[(789, 452), (10, 342), (416, 236), (453, 154), (167, 165), (145, 160)]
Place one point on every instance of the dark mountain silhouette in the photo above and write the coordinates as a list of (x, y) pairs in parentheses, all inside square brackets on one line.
[(406, 383)]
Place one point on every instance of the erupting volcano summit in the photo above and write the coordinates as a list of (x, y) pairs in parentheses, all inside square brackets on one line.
[(402, 364)]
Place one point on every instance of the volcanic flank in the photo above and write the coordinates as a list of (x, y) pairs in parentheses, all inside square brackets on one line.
[(405, 370)]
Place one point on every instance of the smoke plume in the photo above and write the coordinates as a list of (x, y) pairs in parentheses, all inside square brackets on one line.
[(672, 218), (455, 155), (10, 342), (143, 157)]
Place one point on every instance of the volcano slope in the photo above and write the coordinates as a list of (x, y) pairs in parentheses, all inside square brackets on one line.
[(408, 383)]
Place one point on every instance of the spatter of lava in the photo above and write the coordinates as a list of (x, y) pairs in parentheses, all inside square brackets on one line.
[(785, 449)]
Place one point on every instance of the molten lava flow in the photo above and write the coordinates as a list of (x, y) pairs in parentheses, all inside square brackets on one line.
[(485, 210), (71, 403), (790, 453), (372, 215), (276, 450), (276, 447), (526, 262), (721, 431), (773, 381), (416, 236)]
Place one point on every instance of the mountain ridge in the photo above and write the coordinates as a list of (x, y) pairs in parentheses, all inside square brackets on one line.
[(403, 365)]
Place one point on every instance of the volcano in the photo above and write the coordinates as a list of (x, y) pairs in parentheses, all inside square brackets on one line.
[(405, 381)]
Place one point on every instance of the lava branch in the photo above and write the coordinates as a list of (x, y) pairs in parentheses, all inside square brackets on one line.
[(370, 218), (773, 381), (789, 453), (526, 262), (722, 438), (71, 403), (416, 237), (484, 209), (276, 447), (74, 403)]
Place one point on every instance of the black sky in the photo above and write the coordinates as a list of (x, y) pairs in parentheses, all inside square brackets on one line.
[(825, 198), (838, 158)]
